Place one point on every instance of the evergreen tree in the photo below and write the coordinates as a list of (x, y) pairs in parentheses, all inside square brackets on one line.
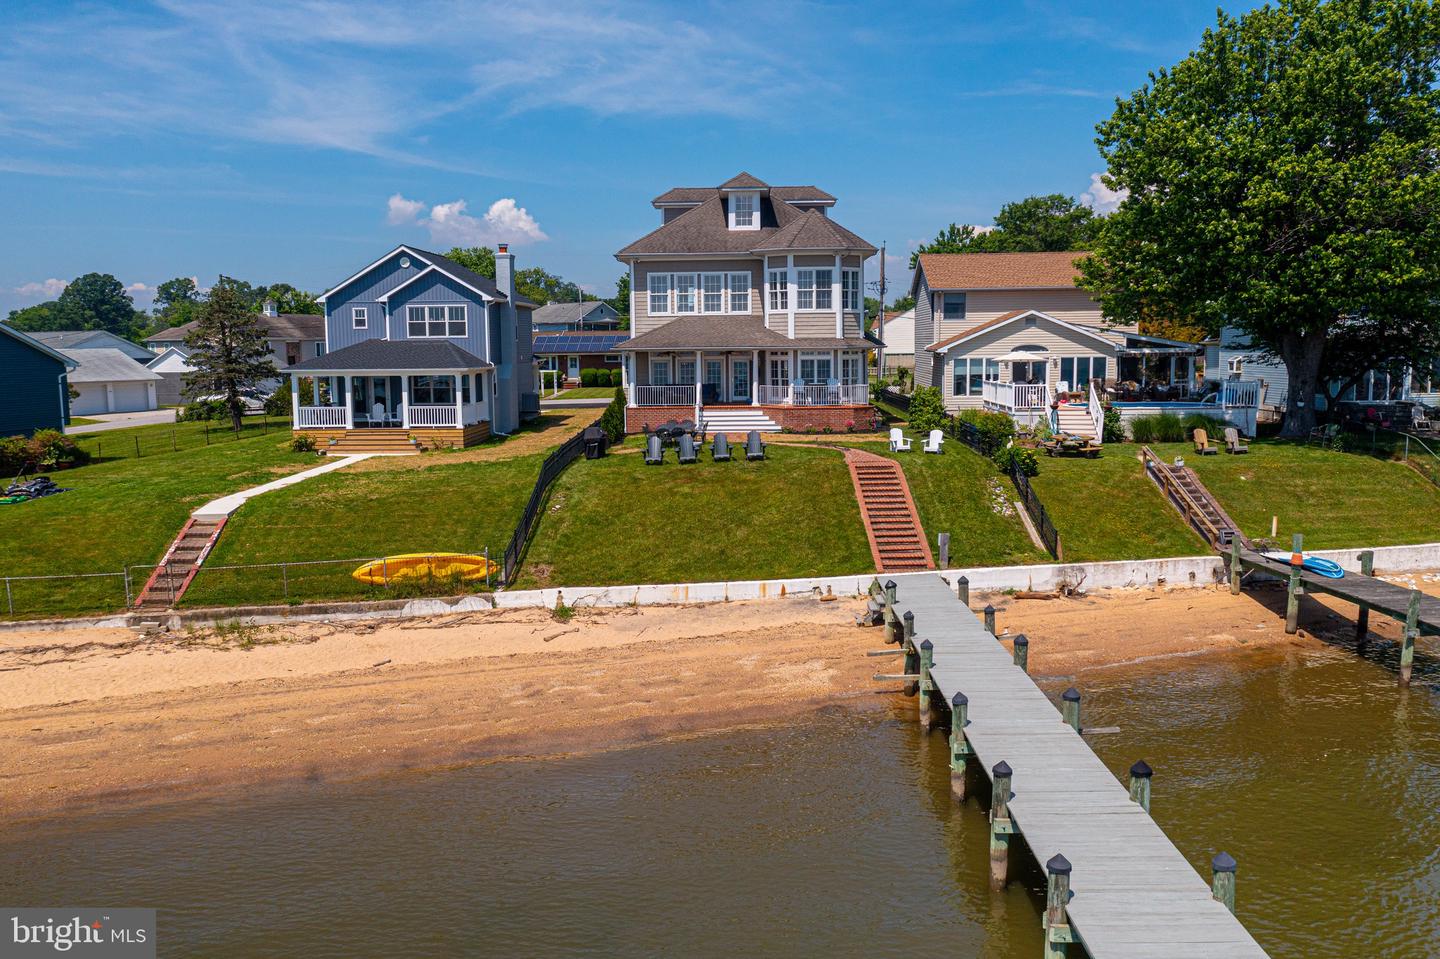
[(228, 349)]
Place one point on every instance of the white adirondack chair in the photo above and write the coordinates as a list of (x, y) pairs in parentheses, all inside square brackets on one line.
[(932, 445), (898, 442)]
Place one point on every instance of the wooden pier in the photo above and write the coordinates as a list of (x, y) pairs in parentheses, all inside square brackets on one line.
[(1116, 884)]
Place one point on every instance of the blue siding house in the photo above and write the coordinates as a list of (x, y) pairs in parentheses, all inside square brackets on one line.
[(35, 395), (419, 350)]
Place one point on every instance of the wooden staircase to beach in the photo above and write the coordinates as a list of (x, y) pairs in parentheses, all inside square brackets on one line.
[(897, 541), (172, 577), (1195, 502)]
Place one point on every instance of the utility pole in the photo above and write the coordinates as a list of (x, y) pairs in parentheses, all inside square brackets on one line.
[(880, 320)]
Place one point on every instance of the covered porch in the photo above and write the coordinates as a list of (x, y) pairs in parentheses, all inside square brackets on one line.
[(746, 378)]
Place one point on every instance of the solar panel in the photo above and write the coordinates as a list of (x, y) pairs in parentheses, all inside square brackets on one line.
[(547, 343)]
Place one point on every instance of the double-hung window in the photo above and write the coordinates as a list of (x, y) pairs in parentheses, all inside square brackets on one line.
[(779, 291), (852, 369), (953, 307), (971, 373), (435, 321), (850, 289), (739, 284), (359, 317), (659, 293), (712, 292), (660, 372), (685, 293), (813, 290), (743, 206)]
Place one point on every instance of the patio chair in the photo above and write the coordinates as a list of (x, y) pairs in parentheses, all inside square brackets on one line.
[(932, 445), (687, 449), (898, 442), (654, 452), (754, 448), (1232, 441), (720, 451), (1202, 443), (1324, 434)]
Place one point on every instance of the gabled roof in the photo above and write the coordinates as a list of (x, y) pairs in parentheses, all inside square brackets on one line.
[(37, 346), (1008, 318), (732, 333), (91, 339), (284, 326), (744, 181), (433, 269), (170, 353), (383, 355), (695, 195), (105, 365), (444, 264), (999, 271), (569, 312)]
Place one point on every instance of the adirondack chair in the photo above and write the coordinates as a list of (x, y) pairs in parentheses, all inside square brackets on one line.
[(720, 449), (687, 449), (932, 445), (1232, 441), (654, 452), (898, 441), (1202, 443), (754, 448)]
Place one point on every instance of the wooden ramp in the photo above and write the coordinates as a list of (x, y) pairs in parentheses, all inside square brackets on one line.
[(897, 541), (1132, 895), (1194, 501)]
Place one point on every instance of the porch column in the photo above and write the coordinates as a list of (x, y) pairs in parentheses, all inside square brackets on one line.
[(294, 400), (794, 372), (699, 381), (754, 377), (835, 297), (349, 399), (1172, 369), (625, 378), (459, 401), (315, 389), (405, 401)]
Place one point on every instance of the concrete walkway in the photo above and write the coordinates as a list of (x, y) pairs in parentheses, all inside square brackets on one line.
[(226, 505), (117, 421)]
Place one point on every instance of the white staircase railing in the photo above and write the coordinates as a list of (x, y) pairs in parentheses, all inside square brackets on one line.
[(1097, 414)]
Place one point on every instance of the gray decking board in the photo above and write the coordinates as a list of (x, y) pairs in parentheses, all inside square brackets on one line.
[(1387, 598), (1132, 892)]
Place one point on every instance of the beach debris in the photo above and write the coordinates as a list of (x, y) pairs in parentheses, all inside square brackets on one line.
[(383, 662), (829, 596)]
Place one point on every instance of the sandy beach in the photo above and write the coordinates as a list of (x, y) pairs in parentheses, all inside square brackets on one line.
[(106, 717)]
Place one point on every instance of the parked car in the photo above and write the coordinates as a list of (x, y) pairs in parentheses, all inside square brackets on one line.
[(252, 400)]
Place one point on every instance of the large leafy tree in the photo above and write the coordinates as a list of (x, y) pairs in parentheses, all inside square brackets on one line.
[(288, 299), (38, 318), (1036, 224), (535, 283), (620, 302), (1284, 179), (172, 296), (95, 301), (227, 348)]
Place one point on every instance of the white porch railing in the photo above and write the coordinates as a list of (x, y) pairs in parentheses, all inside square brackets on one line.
[(838, 395), (1097, 414), (772, 395), (1015, 396), (315, 417), (433, 415), (1243, 394), (681, 395)]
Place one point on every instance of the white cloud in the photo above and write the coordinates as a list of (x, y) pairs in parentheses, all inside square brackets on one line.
[(450, 223), (1100, 197), (44, 289)]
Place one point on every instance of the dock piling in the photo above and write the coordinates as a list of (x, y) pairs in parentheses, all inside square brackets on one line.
[(1412, 630), (912, 655), (1000, 826), (1222, 881), (1362, 621), (1292, 592), (1057, 896), (990, 619), (1235, 565), (890, 592), (927, 659), (1140, 774), (1070, 707), (962, 589), (1022, 653), (959, 748)]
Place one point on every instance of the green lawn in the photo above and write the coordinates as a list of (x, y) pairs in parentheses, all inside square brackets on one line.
[(616, 520), (1337, 500), (953, 493), (351, 514), (584, 393), (1107, 509), (82, 421), (120, 513), (160, 438)]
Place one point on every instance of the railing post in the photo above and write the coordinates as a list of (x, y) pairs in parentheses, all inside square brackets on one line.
[(1070, 707), (912, 655), (927, 659), (1057, 897), (959, 746), (1022, 653), (1000, 826), (1140, 774), (1222, 880), (1292, 592), (125, 572), (962, 589), (9, 598), (1412, 629), (1362, 621), (285, 581)]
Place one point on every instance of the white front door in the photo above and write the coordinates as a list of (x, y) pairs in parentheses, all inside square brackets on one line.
[(572, 367), (739, 379)]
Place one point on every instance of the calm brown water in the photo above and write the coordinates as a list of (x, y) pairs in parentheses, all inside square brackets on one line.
[(835, 837)]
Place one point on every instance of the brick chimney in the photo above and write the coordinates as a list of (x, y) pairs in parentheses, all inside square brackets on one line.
[(505, 269)]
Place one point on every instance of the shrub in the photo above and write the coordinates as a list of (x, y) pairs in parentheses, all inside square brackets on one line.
[(612, 421), (927, 410), (45, 450), (278, 403), (1158, 428), (616, 379), (1011, 458), (587, 377), (14, 455), (995, 429), (205, 410), (1199, 421), (1114, 427), (302, 444)]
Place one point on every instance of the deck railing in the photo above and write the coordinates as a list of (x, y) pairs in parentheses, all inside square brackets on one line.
[(772, 395), (316, 417), (676, 395), (1242, 394), (433, 415), (1015, 396), (838, 395), (1097, 414)]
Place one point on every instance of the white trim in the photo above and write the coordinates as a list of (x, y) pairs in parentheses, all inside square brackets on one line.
[(720, 278), (736, 194), (792, 293), (322, 297), (427, 307), (837, 297), (359, 318), (730, 292), (70, 364), (385, 297), (983, 329)]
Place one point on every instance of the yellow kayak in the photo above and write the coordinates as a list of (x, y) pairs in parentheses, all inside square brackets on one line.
[(409, 566)]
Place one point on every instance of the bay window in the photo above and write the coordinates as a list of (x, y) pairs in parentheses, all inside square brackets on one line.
[(659, 293), (779, 291), (850, 289), (813, 290), (423, 322)]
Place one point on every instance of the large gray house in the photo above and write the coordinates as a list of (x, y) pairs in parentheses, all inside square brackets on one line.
[(746, 311)]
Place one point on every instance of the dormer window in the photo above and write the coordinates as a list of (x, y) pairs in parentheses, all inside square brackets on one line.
[(744, 211)]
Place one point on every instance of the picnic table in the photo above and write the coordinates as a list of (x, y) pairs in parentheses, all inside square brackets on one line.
[(1070, 443)]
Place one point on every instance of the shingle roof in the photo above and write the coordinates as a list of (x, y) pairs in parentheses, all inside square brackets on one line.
[(106, 365), (286, 326), (730, 333), (705, 229), (999, 271), (477, 280), (95, 339), (978, 328), (743, 180), (569, 312), (407, 355), (699, 194), (1109, 336), (812, 230)]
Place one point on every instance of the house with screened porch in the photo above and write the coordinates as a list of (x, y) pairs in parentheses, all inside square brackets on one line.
[(746, 312), (419, 352)]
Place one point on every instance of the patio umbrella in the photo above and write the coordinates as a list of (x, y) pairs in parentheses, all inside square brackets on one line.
[(1020, 356)]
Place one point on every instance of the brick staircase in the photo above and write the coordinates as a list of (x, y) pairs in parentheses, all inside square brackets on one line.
[(897, 541), (373, 441), (172, 577)]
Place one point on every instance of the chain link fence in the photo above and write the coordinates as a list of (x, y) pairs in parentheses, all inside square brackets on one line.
[(149, 441)]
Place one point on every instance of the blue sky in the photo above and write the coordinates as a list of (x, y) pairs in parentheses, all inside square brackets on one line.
[(296, 141)]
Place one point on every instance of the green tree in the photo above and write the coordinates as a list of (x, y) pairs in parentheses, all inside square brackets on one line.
[(955, 238), (621, 300), (179, 294), (927, 409), (481, 259), (903, 305), (1284, 178), (97, 301), (38, 318), (1036, 224), (227, 348), (288, 299)]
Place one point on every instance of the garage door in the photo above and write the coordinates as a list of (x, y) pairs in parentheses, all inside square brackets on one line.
[(131, 397), (90, 400)]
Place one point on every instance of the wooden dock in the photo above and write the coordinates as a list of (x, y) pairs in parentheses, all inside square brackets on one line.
[(1117, 884)]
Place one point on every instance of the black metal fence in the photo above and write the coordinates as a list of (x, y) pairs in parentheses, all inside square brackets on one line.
[(898, 400), (1049, 535), (550, 470)]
